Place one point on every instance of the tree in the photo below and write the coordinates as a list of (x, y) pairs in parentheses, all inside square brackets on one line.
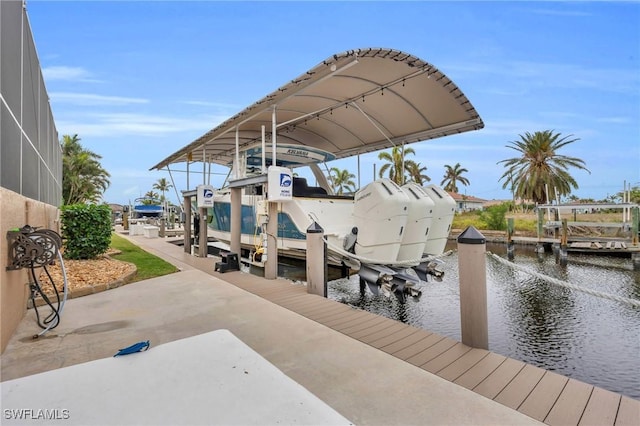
[(83, 178), (453, 175), (396, 164), (634, 194), (163, 186), (539, 166), (341, 181), (150, 198), (416, 172)]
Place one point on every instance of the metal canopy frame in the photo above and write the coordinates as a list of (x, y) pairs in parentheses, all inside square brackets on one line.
[(354, 102)]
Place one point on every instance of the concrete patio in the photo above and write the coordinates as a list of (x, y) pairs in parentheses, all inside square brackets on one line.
[(360, 382)]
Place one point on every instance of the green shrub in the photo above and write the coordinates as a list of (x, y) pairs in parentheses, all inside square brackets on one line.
[(86, 230), (494, 217)]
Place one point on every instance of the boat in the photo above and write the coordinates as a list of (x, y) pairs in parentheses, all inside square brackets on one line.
[(355, 102), (146, 208)]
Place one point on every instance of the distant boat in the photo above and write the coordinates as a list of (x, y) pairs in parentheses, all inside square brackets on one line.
[(147, 208)]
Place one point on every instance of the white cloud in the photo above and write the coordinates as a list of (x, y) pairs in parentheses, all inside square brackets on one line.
[(556, 75), (512, 128), (555, 12), (67, 74), (127, 125), (221, 105), (614, 120), (134, 190), (560, 114), (85, 99), (130, 174)]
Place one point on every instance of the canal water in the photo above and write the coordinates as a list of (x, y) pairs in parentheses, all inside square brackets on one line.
[(588, 338)]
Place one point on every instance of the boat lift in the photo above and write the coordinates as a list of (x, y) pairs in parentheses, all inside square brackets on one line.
[(354, 102)]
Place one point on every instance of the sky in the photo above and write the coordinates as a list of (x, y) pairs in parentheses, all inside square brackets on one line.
[(138, 80)]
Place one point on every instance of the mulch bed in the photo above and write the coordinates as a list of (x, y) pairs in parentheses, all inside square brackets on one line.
[(87, 276)]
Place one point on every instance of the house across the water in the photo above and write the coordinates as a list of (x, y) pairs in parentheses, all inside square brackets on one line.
[(465, 203)]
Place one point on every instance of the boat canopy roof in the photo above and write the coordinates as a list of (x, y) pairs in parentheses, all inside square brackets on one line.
[(353, 102), (147, 208)]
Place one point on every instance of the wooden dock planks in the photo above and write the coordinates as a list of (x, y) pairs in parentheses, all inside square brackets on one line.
[(570, 404), (628, 412), (542, 398), (543, 395), (601, 409)]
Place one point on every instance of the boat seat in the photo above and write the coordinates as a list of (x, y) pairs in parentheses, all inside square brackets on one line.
[(301, 189)]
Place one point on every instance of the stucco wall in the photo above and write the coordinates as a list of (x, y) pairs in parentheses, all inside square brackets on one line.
[(15, 212)]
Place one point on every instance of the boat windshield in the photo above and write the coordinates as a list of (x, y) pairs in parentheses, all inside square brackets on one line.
[(287, 155)]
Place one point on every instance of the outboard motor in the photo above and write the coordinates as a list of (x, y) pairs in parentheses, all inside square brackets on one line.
[(380, 213), (445, 208), (418, 222)]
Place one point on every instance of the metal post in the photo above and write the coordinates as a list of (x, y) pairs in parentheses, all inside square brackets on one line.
[(473, 288), (274, 129), (271, 265), (264, 154), (316, 261), (236, 173), (187, 224), (236, 220), (204, 165)]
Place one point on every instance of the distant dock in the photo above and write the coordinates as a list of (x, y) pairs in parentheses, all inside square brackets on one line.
[(594, 245)]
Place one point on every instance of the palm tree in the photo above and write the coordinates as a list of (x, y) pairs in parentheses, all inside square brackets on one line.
[(83, 178), (453, 175), (396, 165), (163, 186), (416, 172), (150, 198), (539, 165), (341, 181)]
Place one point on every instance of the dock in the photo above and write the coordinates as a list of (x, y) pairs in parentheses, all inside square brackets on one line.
[(613, 247), (542, 395), (438, 379)]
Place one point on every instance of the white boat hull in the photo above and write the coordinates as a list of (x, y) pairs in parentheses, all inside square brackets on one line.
[(386, 225)]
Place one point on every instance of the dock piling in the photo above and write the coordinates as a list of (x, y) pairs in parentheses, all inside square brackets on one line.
[(510, 231), (562, 252), (473, 288), (316, 267), (539, 245), (635, 225), (271, 265), (187, 224)]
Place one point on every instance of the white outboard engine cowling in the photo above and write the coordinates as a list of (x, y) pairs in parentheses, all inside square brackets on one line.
[(418, 222), (380, 213), (444, 210)]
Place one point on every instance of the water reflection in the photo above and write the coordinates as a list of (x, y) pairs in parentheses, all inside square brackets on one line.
[(588, 338)]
